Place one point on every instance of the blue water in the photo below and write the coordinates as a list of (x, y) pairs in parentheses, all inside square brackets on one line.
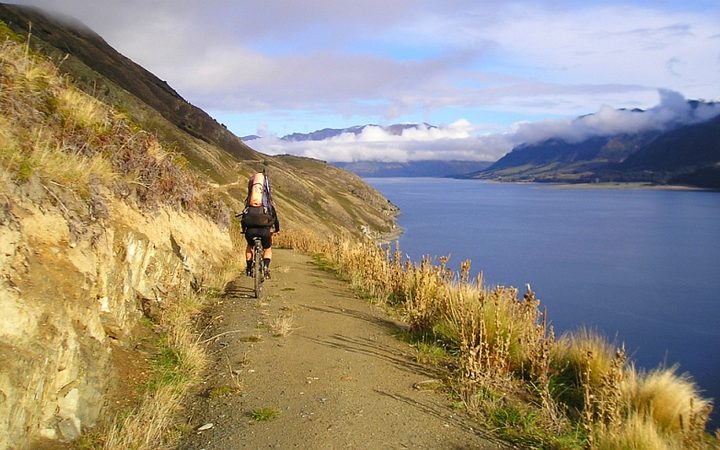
[(641, 266)]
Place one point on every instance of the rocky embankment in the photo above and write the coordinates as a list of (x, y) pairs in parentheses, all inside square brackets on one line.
[(77, 278)]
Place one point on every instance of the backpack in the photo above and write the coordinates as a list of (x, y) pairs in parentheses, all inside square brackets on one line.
[(258, 212), (257, 217)]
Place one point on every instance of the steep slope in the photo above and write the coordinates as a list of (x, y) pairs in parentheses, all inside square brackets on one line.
[(685, 148), (89, 48), (209, 148), (100, 227)]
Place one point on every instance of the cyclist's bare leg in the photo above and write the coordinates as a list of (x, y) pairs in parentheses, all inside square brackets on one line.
[(248, 259)]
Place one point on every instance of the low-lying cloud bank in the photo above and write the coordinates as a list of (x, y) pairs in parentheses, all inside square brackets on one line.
[(461, 140)]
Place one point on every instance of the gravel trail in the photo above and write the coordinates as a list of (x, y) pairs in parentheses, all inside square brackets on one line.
[(339, 379)]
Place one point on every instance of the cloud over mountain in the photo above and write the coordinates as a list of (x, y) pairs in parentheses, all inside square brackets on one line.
[(673, 109), (461, 140)]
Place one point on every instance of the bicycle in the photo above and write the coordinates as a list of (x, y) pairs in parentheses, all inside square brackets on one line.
[(258, 268)]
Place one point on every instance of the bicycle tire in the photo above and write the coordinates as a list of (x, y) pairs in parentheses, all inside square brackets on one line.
[(258, 269)]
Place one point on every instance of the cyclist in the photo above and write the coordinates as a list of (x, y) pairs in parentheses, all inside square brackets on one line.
[(259, 219)]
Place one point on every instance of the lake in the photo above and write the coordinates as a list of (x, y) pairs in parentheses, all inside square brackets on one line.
[(642, 266)]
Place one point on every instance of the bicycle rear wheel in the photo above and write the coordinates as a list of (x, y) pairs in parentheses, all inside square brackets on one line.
[(258, 270)]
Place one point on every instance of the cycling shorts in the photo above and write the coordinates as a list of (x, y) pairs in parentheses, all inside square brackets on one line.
[(264, 234)]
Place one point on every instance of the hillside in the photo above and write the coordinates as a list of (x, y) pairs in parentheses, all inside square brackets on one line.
[(115, 225), (688, 155), (340, 200), (677, 154)]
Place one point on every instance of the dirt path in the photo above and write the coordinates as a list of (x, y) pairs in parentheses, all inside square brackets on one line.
[(339, 380)]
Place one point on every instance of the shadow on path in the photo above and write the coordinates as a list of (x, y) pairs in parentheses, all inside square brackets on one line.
[(436, 410), (369, 347), (388, 325), (235, 289)]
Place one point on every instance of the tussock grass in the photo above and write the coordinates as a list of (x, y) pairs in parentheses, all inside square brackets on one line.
[(147, 426), (510, 371), (178, 366), (638, 432), (51, 130), (281, 326), (671, 400), (79, 110)]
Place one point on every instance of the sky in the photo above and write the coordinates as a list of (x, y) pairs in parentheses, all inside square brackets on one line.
[(486, 74)]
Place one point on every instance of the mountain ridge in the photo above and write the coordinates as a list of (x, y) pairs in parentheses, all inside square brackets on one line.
[(95, 52), (679, 153)]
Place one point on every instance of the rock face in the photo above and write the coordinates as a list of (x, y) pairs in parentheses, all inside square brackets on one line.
[(73, 289)]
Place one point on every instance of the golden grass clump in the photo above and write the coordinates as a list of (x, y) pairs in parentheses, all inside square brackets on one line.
[(69, 168), (671, 400), (637, 432), (281, 326), (579, 389), (583, 355), (79, 110), (300, 240), (22, 74), (423, 294), (146, 428)]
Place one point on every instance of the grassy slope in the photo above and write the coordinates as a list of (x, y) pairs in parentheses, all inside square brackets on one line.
[(309, 194)]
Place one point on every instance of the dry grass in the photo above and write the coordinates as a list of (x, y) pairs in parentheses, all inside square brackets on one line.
[(78, 110), (575, 391), (637, 432), (51, 130), (671, 400), (281, 326), (179, 365), (147, 426), (584, 351)]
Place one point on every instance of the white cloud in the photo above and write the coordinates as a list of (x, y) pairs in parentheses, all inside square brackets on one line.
[(410, 57), (455, 141), (460, 140), (673, 108)]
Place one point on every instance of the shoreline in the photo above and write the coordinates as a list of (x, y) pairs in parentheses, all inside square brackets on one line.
[(628, 185), (600, 185), (390, 236)]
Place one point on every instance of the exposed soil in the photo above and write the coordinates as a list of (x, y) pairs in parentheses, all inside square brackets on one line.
[(338, 380)]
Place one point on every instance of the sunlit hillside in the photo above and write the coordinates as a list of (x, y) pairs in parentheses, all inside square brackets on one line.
[(310, 194)]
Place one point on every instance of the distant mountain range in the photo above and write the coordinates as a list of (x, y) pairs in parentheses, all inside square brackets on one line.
[(425, 168), (328, 133), (682, 151), (686, 154)]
